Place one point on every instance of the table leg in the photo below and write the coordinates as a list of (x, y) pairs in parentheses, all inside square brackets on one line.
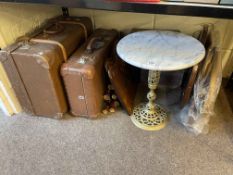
[(150, 116)]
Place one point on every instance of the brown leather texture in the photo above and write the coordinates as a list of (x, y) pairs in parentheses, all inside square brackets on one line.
[(69, 35), (37, 62), (15, 78), (124, 80), (39, 66), (84, 74)]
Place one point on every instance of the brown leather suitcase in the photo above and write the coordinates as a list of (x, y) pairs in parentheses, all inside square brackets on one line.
[(15, 78), (83, 74), (33, 64), (125, 80)]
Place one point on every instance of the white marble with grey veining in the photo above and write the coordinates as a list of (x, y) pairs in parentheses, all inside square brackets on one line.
[(160, 50)]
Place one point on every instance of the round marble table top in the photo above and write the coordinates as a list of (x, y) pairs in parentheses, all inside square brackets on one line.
[(160, 50)]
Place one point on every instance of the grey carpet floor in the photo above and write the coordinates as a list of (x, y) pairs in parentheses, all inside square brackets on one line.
[(114, 146)]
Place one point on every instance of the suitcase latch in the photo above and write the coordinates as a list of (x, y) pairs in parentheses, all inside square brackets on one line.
[(83, 60), (81, 97)]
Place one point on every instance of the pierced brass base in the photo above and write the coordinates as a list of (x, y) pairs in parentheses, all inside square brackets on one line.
[(150, 120)]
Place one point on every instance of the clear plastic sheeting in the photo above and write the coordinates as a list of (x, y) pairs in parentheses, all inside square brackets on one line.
[(196, 114)]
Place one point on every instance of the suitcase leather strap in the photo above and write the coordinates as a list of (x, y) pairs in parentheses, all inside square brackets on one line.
[(59, 44), (26, 39), (59, 28), (30, 38), (78, 23), (52, 42)]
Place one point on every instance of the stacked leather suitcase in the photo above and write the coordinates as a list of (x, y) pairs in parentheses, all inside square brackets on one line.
[(63, 48), (33, 64), (125, 80), (83, 74)]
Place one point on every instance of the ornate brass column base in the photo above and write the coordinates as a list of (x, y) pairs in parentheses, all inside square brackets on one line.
[(150, 116), (150, 120)]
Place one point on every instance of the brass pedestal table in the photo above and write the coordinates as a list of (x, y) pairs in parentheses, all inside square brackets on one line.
[(157, 51)]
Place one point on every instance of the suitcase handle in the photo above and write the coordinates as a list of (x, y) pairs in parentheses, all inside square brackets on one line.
[(77, 21), (95, 43), (59, 28)]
